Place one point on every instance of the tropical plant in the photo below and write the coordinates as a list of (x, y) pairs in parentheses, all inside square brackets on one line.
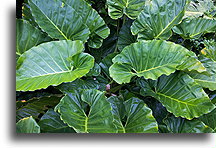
[(116, 66)]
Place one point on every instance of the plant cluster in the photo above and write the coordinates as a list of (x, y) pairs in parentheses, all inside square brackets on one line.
[(116, 66)]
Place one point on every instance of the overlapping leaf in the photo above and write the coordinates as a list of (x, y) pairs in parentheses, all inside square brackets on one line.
[(180, 125), (210, 120), (27, 125), (206, 79), (51, 64), (59, 20), (28, 36), (131, 8), (98, 119), (125, 36), (179, 93), (92, 19), (36, 106), (194, 28), (139, 117), (199, 8), (150, 59), (157, 19), (51, 123), (79, 84)]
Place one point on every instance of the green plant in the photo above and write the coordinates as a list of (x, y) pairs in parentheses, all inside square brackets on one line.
[(129, 66)]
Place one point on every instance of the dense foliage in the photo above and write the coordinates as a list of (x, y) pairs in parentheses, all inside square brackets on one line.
[(116, 66)]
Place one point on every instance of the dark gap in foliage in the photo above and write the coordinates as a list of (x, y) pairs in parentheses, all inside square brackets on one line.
[(37, 93), (19, 4)]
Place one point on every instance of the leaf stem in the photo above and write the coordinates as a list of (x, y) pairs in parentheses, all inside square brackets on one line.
[(117, 34), (124, 19)]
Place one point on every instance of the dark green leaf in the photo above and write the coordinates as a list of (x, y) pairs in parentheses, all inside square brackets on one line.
[(157, 19), (27, 125), (99, 119), (51, 123), (179, 93)]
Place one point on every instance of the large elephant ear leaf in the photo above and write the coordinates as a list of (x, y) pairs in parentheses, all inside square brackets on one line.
[(27, 125), (28, 36), (194, 28), (87, 112), (93, 20), (157, 19), (138, 117), (51, 64), (181, 125), (150, 59), (206, 79), (50, 122), (130, 8), (59, 20), (180, 94)]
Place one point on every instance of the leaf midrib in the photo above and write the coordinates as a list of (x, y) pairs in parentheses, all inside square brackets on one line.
[(45, 75), (50, 21), (174, 99), (168, 25)]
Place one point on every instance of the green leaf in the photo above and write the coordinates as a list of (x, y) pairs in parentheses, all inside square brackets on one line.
[(199, 8), (36, 106), (130, 8), (210, 120), (158, 18), (125, 36), (194, 28), (139, 117), (179, 93), (98, 119), (59, 20), (192, 63), (109, 46), (51, 64), (210, 50), (79, 84), (28, 36), (95, 71), (106, 63), (51, 123), (92, 19), (27, 125), (206, 79), (150, 59), (180, 125), (27, 15)]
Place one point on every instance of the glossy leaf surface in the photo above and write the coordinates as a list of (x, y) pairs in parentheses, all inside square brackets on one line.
[(179, 93), (28, 36), (50, 122), (194, 28), (180, 125), (51, 64), (131, 8), (56, 17), (150, 59), (92, 19), (98, 119), (157, 19), (206, 79), (139, 117)]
